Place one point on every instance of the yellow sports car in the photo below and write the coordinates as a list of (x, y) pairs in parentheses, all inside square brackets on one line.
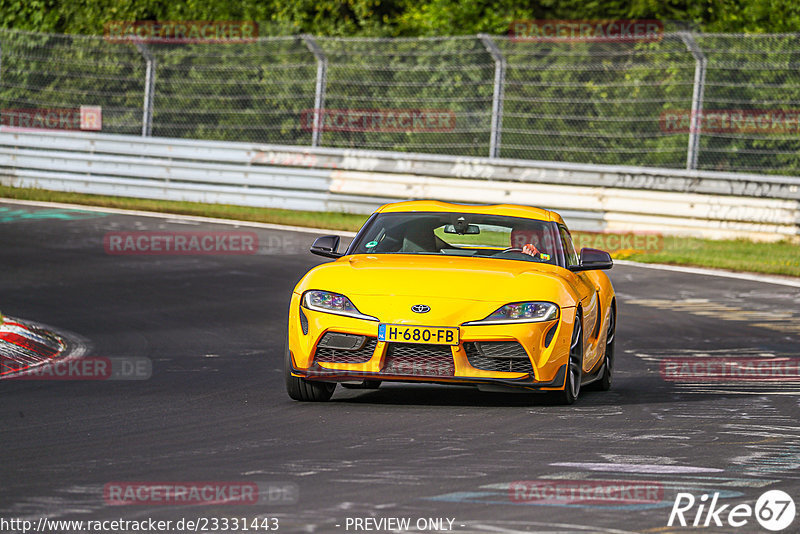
[(490, 296)]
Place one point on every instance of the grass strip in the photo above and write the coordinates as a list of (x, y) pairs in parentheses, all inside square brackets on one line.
[(780, 258)]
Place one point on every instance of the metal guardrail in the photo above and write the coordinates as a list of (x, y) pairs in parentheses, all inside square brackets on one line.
[(591, 197)]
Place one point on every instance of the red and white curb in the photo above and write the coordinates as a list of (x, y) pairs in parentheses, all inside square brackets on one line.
[(25, 346)]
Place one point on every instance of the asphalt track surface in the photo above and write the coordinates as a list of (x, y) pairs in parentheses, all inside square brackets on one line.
[(215, 408)]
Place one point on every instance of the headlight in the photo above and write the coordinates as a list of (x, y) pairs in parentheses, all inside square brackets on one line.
[(328, 302), (521, 312)]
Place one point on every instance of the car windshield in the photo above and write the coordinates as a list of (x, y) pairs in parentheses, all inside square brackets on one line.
[(461, 234)]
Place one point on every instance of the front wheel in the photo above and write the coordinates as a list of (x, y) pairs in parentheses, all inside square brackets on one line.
[(572, 383), (301, 389)]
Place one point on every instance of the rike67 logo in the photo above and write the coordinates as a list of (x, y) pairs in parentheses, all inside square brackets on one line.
[(774, 510)]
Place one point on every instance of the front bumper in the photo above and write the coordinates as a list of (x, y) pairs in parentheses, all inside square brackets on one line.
[(539, 362), (328, 375)]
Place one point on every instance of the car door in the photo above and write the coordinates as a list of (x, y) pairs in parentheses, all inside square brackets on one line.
[(590, 301)]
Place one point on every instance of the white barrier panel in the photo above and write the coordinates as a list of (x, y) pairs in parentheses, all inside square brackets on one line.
[(590, 197), (621, 210)]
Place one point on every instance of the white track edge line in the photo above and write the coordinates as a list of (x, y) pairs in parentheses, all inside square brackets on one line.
[(763, 278), (197, 218)]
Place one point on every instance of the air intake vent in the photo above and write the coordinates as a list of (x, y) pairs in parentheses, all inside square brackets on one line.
[(345, 348), (303, 322), (505, 356)]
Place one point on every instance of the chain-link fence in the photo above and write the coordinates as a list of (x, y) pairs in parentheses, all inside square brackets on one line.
[(705, 101)]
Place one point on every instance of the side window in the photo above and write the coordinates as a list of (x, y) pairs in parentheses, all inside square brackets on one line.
[(569, 248)]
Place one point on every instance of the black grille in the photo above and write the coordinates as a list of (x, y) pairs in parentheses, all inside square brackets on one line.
[(412, 359), (361, 355), (505, 356)]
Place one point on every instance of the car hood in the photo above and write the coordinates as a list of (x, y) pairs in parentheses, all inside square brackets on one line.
[(441, 277)]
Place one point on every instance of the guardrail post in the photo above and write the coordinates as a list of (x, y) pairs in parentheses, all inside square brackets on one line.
[(697, 98), (497, 95), (319, 90), (149, 89)]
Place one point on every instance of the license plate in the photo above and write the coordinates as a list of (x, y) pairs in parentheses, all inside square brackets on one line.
[(403, 333)]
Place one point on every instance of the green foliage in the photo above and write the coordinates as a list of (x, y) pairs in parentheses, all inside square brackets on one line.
[(589, 102), (397, 17)]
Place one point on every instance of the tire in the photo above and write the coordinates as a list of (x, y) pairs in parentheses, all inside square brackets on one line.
[(604, 384), (301, 389), (572, 382)]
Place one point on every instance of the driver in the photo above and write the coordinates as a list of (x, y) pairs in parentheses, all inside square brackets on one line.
[(528, 241)]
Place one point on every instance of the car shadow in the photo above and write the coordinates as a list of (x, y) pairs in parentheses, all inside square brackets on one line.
[(435, 395)]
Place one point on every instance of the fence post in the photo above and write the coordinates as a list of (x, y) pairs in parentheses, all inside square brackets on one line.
[(149, 89), (319, 90), (697, 99), (497, 96)]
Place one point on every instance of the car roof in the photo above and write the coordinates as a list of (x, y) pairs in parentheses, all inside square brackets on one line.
[(509, 210)]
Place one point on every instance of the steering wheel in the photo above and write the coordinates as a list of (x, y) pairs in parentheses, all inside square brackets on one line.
[(511, 249)]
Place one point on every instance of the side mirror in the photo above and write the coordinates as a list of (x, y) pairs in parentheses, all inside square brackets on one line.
[(326, 246), (593, 259)]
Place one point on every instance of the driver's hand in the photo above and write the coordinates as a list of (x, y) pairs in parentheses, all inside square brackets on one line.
[(530, 250)]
